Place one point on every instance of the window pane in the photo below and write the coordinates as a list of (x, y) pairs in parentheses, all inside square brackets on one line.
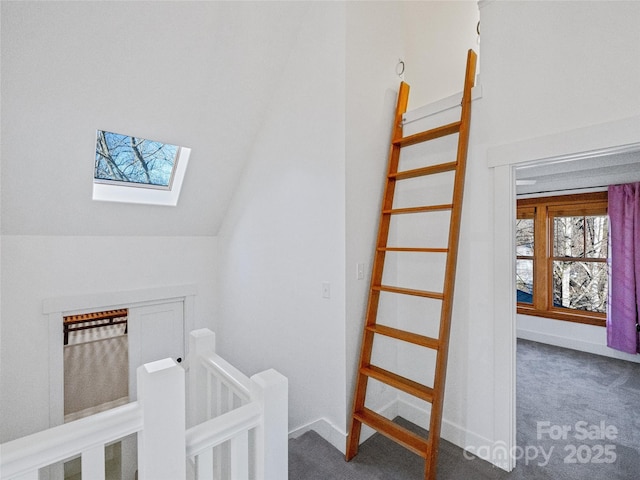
[(568, 235), (597, 234), (524, 237), (134, 160), (524, 281), (580, 285)]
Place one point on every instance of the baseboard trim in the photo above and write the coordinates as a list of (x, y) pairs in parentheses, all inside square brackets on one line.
[(469, 441), (337, 437), (326, 430), (574, 344)]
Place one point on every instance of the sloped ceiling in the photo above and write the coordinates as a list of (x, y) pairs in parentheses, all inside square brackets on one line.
[(196, 74)]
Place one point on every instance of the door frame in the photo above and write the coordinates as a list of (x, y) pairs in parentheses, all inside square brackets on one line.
[(57, 308), (593, 141)]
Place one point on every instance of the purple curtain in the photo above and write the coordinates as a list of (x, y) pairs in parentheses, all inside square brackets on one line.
[(624, 275)]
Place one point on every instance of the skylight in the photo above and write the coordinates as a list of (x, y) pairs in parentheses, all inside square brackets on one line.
[(136, 170)]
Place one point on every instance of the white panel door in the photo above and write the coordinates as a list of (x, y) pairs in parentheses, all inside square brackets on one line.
[(155, 332)]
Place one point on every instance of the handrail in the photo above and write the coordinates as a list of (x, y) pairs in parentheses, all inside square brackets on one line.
[(218, 430), (64, 441), (256, 430), (230, 375)]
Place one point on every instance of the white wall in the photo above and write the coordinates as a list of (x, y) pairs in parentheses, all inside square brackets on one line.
[(279, 236), (550, 67), (372, 52), (436, 34), (284, 233)]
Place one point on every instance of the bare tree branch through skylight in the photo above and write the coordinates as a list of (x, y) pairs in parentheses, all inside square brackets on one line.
[(126, 159)]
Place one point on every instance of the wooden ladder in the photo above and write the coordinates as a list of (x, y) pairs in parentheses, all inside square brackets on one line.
[(425, 447)]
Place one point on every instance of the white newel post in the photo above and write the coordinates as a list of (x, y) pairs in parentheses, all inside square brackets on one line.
[(201, 342), (161, 443), (271, 390)]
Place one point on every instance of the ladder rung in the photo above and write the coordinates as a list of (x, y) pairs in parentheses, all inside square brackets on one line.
[(397, 381), (426, 208), (408, 291), (420, 172), (427, 135), (413, 249), (395, 432), (405, 336)]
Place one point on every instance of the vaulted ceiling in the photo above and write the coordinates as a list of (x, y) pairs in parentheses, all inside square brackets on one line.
[(196, 74)]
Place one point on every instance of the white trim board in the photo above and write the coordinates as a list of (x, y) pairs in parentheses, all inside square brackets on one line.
[(599, 140), (456, 434), (439, 106), (102, 300), (466, 439), (337, 437)]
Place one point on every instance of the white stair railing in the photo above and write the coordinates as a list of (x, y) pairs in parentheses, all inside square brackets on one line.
[(158, 414), (241, 423), (245, 419)]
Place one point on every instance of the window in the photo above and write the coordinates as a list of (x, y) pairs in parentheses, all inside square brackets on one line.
[(126, 159), (136, 170), (561, 257)]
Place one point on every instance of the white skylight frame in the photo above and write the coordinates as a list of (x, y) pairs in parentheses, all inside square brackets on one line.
[(140, 193)]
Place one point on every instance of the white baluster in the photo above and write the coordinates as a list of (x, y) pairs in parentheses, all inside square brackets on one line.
[(204, 465), (201, 342), (239, 466), (92, 463)]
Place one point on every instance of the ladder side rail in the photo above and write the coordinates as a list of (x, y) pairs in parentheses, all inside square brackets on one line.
[(353, 438), (450, 273), (425, 447)]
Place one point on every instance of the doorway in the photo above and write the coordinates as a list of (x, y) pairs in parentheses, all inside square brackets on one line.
[(156, 321), (596, 140)]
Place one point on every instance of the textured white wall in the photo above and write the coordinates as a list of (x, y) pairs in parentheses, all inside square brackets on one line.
[(373, 49), (284, 233), (436, 35)]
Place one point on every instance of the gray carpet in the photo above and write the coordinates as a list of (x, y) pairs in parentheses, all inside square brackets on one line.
[(556, 388)]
